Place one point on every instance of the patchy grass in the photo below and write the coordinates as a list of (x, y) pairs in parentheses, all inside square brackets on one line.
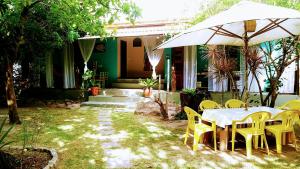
[(147, 141), (63, 130), (159, 144)]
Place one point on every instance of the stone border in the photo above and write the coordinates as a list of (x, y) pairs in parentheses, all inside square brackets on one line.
[(52, 163)]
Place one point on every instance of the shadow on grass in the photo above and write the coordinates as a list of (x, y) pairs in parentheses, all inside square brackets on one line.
[(152, 144)]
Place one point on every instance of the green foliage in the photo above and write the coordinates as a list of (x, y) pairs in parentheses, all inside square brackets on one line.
[(36, 26), (148, 83), (189, 91), (86, 78), (29, 137), (4, 134)]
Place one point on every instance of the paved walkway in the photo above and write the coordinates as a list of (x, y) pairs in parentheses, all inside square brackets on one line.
[(115, 155)]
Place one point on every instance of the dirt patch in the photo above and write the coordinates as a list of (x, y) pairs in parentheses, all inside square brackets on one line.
[(31, 159)]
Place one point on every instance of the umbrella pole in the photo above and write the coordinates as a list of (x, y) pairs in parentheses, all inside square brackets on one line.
[(246, 53)]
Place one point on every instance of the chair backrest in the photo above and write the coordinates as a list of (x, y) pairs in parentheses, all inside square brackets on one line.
[(258, 120), (208, 104), (234, 103), (191, 114), (288, 118), (291, 105)]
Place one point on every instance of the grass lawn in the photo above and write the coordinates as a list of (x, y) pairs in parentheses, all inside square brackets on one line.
[(84, 140)]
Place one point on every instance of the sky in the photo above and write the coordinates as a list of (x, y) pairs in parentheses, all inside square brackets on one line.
[(169, 9)]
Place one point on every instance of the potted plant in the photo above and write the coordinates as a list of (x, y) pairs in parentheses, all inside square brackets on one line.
[(148, 84), (86, 80), (95, 87), (94, 84), (192, 98)]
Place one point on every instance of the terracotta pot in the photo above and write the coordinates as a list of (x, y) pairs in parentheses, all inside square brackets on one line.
[(95, 91), (147, 92)]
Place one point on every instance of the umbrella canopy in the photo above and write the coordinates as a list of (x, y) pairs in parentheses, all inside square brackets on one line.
[(244, 24), (228, 27)]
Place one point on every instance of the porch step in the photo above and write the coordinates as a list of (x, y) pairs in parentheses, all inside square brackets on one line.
[(109, 104), (131, 84), (112, 99), (126, 85), (132, 80), (123, 92), (119, 98)]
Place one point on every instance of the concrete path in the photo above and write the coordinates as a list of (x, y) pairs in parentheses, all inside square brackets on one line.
[(115, 156)]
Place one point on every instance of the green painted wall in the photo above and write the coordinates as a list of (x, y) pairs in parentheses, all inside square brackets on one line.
[(107, 61), (202, 64), (167, 52)]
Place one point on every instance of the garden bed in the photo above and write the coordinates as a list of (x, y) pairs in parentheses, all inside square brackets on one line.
[(17, 158)]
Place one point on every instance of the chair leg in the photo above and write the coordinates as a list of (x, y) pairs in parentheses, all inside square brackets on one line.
[(267, 146), (294, 139), (261, 142), (215, 140), (255, 142), (249, 145), (186, 135), (278, 142), (196, 140), (232, 141)]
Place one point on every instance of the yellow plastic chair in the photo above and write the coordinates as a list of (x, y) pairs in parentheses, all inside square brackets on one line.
[(291, 105), (234, 103), (257, 128), (288, 118), (198, 127), (209, 104)]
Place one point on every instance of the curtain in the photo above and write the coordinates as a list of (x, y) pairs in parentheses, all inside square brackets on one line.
[(154, 56), (49, 70), (288, 79), (213, 84), (69, 75), (190, 67), (86, 48)]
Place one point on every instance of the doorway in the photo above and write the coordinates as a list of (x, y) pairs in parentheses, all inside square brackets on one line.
[(177, 62), (123, 59)]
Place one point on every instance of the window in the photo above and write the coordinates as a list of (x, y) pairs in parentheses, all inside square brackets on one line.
[(137, 42)]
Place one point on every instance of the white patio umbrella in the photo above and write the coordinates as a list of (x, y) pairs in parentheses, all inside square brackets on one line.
[(244, 24)]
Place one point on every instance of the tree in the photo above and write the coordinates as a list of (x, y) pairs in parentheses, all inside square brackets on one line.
[(31, 27), (271, 59), (274, 66)]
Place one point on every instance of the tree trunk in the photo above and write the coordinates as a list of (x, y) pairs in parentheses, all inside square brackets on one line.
[(273, 99), (259, 88), (11, 96), (162, 109)]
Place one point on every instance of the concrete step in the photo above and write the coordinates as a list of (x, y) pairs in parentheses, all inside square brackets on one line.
[(123, 92), (132, 80), (126, 85), (123, 99), (109, 104)]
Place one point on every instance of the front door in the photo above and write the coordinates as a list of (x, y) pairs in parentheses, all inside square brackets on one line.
[(123, 59), (177, 62)]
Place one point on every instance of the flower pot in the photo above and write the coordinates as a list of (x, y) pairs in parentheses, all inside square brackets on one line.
[(147, 92), (95, 91)]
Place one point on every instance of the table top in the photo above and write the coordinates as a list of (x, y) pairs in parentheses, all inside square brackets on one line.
[(225, 116)]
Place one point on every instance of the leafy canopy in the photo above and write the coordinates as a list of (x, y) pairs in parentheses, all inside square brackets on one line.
[(38, 25)]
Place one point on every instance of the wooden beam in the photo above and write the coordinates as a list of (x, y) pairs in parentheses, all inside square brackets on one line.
[(282, 27)]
